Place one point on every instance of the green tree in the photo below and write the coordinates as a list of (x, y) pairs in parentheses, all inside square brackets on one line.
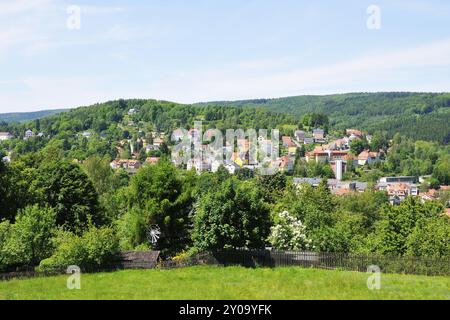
[(442, 170), (233, 216), (398, 222), (358, 146), (66, 188), (160, 193), (30, 238), (430, 238), (100, 173)]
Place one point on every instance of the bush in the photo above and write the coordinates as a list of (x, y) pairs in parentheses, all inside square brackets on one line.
[(289, 234), (28, 241), (5, 231), (95, 249)]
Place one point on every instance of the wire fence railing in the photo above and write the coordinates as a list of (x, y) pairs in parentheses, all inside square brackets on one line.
[(264, 259), (335, 261), (330, 261)]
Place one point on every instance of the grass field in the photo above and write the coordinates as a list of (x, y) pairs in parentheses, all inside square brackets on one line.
[(228, 284)]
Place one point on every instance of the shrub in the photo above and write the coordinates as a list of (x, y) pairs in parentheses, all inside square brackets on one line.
[(29, 239), (95, 249), (5, 231), (289, 234)]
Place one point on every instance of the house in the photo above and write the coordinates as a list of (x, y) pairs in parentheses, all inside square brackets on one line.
[(132, 111), (340, 144), (232, 168), (152, 160), (87, 134), (403, 179), (29, 134), (235, 157), (307, 141), (343, 188), (430, 195), (131, 166), (158, 142), (5, 136), (287, 141), (433, 194), (286, 164), (336, 187), (314, 182), (346, 187), (367, 157), (199, 166), (265, 147), (319, 135), (215, 165), (299, 135), (289, 144), (320, 154), (178, 135), (398, 191), (354, 132), (195, 136), (243, 145)]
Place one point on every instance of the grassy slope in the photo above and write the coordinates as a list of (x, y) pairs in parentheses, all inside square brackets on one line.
[(229, 283)]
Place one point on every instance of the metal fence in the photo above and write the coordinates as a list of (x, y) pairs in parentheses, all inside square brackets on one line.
[(332, 261), (268, 259)]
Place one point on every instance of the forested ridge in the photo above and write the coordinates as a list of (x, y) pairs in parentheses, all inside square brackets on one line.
[(421, 116)]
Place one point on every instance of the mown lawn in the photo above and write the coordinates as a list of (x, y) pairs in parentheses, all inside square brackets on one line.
[(229, 283)]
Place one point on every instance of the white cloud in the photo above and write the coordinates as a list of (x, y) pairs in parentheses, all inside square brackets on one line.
[(239, 81)]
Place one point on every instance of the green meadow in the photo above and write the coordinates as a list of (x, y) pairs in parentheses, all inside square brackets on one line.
[(210, 283)]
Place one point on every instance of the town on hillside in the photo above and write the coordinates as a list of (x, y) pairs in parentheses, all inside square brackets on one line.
[(339, 152)]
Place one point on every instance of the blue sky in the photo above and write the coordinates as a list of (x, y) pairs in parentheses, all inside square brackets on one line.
[(202, 50)]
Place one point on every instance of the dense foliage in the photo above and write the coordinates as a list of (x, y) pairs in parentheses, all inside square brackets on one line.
[(421, 116), (61, 203)]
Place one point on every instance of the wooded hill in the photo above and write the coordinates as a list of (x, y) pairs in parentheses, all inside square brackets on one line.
[(421, 116)]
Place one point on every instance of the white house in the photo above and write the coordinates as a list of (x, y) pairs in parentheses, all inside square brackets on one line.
[(29, 134), (232, 167), (5, 136)]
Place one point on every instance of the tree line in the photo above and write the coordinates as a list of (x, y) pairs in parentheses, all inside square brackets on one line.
[(56, 213)]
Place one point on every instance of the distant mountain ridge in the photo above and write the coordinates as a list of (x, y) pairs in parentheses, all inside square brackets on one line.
[(15, 117)]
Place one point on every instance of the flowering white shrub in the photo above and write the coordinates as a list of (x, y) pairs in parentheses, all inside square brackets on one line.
[(289, 234)]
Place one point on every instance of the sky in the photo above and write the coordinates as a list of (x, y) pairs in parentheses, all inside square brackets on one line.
[(51, 57)]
